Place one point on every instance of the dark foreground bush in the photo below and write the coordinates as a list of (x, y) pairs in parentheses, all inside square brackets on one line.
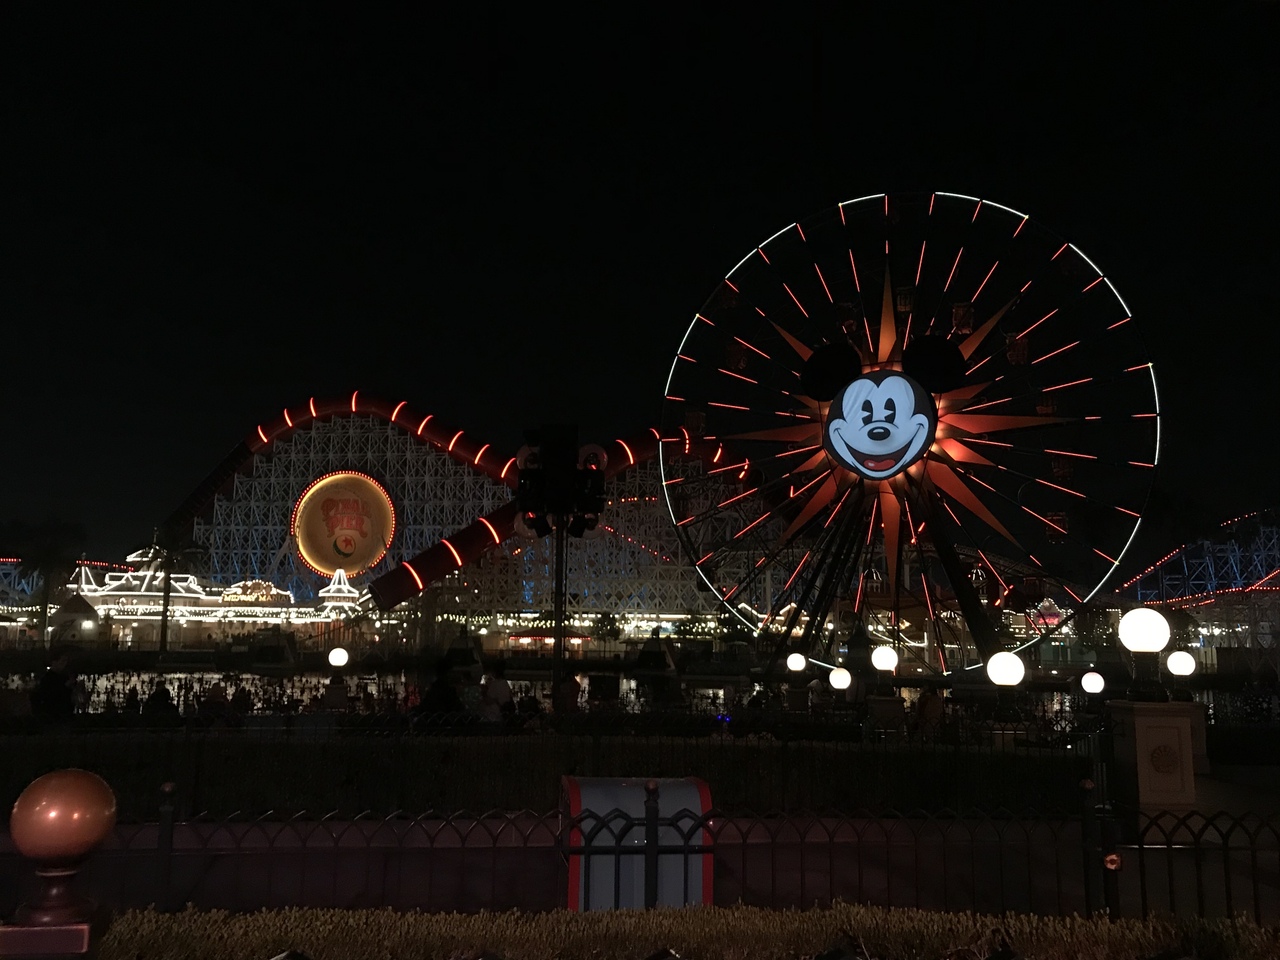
[(701, 933)]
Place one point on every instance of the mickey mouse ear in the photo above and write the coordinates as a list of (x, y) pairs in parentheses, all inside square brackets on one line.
[(829, 368), (934, 362)]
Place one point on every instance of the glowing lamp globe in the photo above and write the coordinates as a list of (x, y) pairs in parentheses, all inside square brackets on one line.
[(1181, 663), (797, 662), (61, 817), (839, 678), (1005, 669), (1143, 630), (338, 657), (884, 658), (1092, 682)]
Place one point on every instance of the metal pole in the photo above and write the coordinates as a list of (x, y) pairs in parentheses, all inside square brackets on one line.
[(650, 844), (557, 661)]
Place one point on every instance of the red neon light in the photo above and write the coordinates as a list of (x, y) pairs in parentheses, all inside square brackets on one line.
[(262, 435), (1092, 285), (731, 287), (453, 441), (797, 302), (726, 406), (631, 459), (1058, 351), (492, 530), (457, 558), (1073, 383), (800, 231), (840, 206), (920, 263), (698, 316), (413, 573), (480, 454), (719, 452), (396, 412), (825, 288), (1037, 323), (311, 404), (354, 394), (985, 279), (856, 286), (288, 421), (932, 197), (886, 204), (1060, 249), (424, 423), (1119, 323), (953, 269), (750, 347), (506, 467), (738, 375), (705, 559), (975, 211), (753, 523), (1020, 226)]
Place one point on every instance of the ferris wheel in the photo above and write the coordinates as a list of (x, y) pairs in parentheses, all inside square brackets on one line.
[(934, 425)]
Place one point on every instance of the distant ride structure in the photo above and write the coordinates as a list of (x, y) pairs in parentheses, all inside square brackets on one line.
[(934, 410)]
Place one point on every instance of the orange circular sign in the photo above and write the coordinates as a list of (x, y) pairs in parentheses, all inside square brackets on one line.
[(343, 520)]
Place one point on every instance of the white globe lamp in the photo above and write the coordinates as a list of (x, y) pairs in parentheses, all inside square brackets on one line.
[(1143, 630), (1006, 669), (1181, 664), (839, 678), (1144, 633), (797, 662), (338, 658), (1092, 682), (884, 658)]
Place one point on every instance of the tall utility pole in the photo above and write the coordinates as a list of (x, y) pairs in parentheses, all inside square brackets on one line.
[(561, 489)]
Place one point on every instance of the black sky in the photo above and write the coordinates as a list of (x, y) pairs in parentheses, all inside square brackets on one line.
[(508, 216)]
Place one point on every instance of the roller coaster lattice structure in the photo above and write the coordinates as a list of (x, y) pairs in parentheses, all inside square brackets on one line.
[(439, 484), (1231, 578)]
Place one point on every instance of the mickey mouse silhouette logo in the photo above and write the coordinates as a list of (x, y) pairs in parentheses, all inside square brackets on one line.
[(879, 424)]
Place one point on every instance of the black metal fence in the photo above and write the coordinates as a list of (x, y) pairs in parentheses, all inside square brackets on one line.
[(328, 764), (983, 862)]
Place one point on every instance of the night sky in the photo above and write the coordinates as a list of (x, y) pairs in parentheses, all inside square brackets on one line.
[(508, 216)]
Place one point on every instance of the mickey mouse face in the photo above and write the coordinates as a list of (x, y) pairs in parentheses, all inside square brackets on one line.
[(879, 424)]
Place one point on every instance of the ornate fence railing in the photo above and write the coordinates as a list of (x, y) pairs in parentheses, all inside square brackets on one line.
[(989, 862)]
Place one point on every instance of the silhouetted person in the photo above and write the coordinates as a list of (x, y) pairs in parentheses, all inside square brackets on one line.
[(54, 698), (159, 704), (442, 696)]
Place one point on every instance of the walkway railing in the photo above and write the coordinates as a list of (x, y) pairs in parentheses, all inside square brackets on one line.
[(989, 862)]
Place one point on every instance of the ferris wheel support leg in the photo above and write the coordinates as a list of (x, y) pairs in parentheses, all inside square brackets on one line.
[(975, 614)]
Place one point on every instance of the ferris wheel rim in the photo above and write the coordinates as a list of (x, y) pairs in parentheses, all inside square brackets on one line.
[(1098, 583)]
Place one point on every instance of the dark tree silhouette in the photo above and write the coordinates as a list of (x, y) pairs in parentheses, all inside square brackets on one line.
[(49, 550)]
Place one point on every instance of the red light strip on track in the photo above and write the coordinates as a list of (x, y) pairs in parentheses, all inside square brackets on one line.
[(457, 558), (396, 412), (492, 530), (413, 573)]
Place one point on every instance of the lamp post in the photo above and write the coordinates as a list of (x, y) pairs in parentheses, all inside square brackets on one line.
[(1181, 664), (1006, 671), (885, 660), (1144, 633)]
